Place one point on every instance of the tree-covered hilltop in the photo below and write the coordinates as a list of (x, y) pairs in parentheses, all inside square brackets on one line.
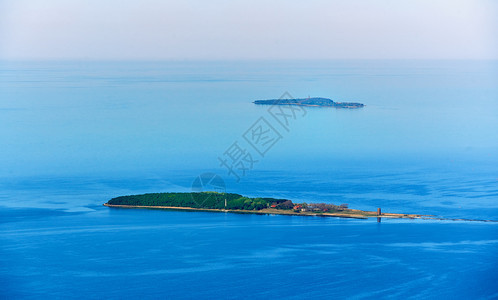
[(324, 102), (213, 200), (210, 200)]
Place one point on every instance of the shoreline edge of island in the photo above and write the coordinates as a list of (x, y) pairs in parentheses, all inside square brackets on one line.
[(355, 214)]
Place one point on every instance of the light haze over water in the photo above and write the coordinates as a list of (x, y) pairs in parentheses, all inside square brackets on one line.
[(75, 134)]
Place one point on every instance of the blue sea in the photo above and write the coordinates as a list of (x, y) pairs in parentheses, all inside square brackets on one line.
[(75, 134)]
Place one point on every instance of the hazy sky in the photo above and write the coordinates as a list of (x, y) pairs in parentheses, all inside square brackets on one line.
[(255, 29)]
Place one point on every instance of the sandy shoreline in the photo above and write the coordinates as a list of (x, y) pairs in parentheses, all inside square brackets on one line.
[(355, 214)]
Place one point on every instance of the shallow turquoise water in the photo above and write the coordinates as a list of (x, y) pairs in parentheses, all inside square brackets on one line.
[(76, 134)]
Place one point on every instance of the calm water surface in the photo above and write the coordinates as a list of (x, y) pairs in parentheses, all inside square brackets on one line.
[(76, 134)]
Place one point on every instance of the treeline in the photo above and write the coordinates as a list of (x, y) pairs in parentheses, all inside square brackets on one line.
[(199, 200), (215, 200)]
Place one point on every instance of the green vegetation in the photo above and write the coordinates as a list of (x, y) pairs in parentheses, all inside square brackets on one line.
[(210, 200), (213, 200), (321, 102), (237, 203)]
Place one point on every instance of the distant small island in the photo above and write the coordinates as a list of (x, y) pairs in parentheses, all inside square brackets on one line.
[(235, 203), (318, 102)]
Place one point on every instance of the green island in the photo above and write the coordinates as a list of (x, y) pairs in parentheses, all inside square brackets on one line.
[(317, 102), (235, 203)]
